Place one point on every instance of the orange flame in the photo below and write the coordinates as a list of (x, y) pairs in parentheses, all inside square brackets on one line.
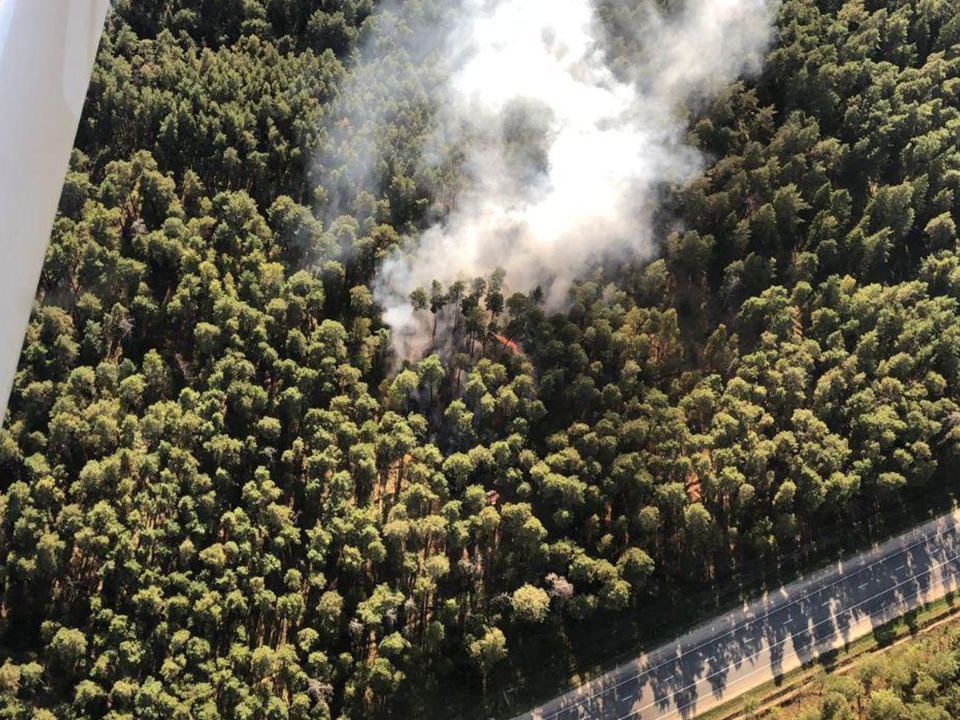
[(507, 343)]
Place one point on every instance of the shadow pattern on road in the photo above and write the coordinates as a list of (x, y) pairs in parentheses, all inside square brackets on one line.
[(784, 629)]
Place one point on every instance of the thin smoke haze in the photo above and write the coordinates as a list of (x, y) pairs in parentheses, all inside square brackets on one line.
[(563, 158)]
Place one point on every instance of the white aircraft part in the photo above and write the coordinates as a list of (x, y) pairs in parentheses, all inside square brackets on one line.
[(47, 49)]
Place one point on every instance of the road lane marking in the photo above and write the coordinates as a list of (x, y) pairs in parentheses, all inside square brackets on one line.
[(860, 587), (683, 707), (781, 642), (819, 607), (842, 578)]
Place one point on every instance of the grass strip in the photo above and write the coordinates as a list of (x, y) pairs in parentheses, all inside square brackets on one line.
[(760, 700), (590, 654)]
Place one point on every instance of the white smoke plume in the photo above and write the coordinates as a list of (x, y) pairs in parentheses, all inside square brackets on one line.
[(564, 159)]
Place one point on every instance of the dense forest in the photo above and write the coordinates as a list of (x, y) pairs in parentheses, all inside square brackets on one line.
[(222, 495)]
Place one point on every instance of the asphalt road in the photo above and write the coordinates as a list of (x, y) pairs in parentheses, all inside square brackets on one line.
[(774, 634)]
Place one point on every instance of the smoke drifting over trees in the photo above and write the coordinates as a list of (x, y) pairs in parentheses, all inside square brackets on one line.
[(218, 498), (562, 154)]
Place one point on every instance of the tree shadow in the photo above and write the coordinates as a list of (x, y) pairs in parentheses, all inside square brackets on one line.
[(793, 626)]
